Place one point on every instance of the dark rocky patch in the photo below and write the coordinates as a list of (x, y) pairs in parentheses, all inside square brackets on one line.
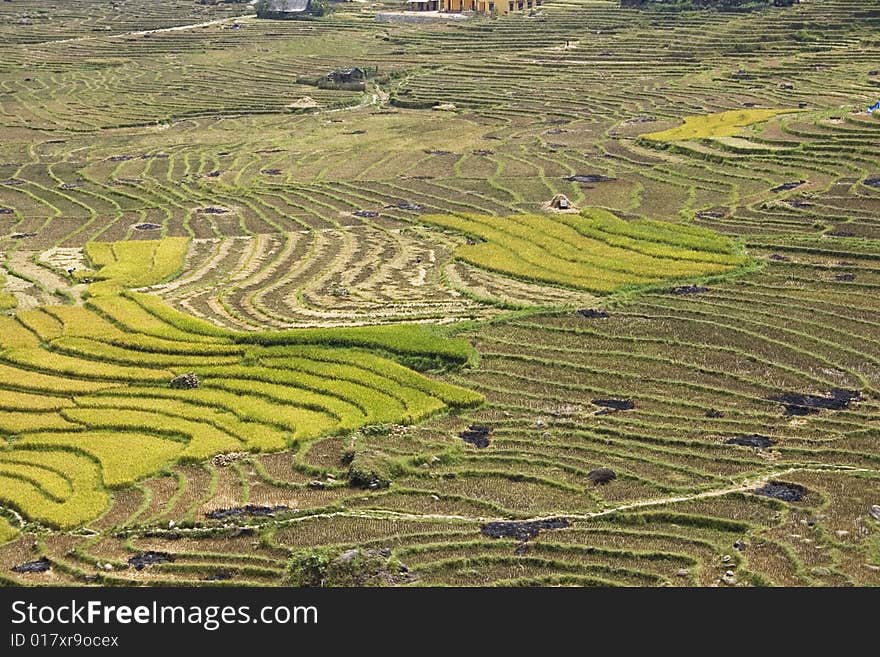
[(796, 403), (845, 278), (41, 565), (147, 227), (246, 511), (271, 172), (739, 545), (753, 440), (404, 205), (589, 178), (780, 490), (368, 214), (6, 210), (21, 236), (218, 577), (477, 435), (873, 181), (841, 233), (684, 290), (775, 257), (521, 530), (483, 152), (212, 209), (188, 381), (713, 413), (798, 203), (616, 404), (601, 476), (121, 158), (213, 174), (429, 151), (784, 187), (13, 182), (709, 214), (593, 313), (143, 559)]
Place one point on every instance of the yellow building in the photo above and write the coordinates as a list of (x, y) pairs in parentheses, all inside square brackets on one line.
[(488, 7)]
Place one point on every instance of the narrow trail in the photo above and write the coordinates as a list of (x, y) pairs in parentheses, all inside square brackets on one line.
[(745, 485), (136, 33)]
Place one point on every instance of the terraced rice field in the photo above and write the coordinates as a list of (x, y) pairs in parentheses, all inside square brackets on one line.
[(397, 344)]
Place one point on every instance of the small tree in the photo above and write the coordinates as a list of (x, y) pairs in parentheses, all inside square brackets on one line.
[(262, 8)]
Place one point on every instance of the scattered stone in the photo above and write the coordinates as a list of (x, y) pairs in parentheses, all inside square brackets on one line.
[(108, 567), (616, 404), (367, 214), (729, 573), (775, 257), (171, 524), (601, 476), (874, 511), (521, 530), (212, 209), (593, 313), (709, 214), (6, 210), (779, 490), (41, 565), (188, 381), (753, 440), (540, 424), (713, 413), (429, 151), (213, 174), (739, 545), (589, 178), (483, 152), (845, 278), (683, 290), (317, 484), (682, 572), (246, 511), (784, 187), (120, 158), (405, 205), (271, 172), (726, 558), (729, 580), (147, 226), (796, 403), (842, 533), (143, 559), (477, 435), (223, 460)]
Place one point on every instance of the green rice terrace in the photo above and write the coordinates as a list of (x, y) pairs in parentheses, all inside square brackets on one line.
[(585, 295)]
